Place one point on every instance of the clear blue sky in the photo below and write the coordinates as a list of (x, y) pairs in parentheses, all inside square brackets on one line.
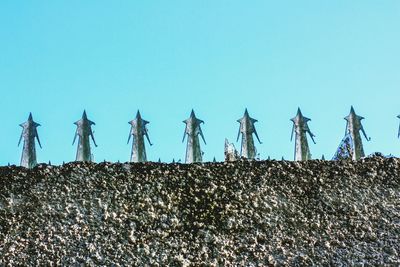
[(218, 57)]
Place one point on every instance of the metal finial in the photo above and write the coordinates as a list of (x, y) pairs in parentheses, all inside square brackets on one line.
[(83, 132), (193, 130), (300, 128), (138, 131), (247, 129), (351, 145), (29, 133)]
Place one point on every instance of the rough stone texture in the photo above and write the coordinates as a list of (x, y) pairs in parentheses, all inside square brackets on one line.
[(235, 213)]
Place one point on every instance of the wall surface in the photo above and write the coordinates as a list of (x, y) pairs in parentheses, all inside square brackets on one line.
[(239, 213)]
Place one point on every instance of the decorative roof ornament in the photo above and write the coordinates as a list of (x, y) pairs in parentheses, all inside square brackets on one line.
[(247, 129), (300, 128), (29, 133), (83, 132), (193, 130), (351, 145), (138, 131)]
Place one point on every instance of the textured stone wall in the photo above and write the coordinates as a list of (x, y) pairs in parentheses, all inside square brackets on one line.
[(235, 213)]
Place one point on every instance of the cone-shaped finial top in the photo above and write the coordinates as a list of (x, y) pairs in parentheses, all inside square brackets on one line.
[(192, 115), (354, 118), (300, 119), (246, 117), (193, 119), (30, 122), (138, 116), (353, 115), (84, 120), (138, 120)]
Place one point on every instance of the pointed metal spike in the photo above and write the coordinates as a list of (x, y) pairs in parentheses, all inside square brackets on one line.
[(84, 133), (214, 160), (300, 128), (192, 131), (353, 135), (29, 134), (138, 132), (247, 129), (159, 160), (192, 114)]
